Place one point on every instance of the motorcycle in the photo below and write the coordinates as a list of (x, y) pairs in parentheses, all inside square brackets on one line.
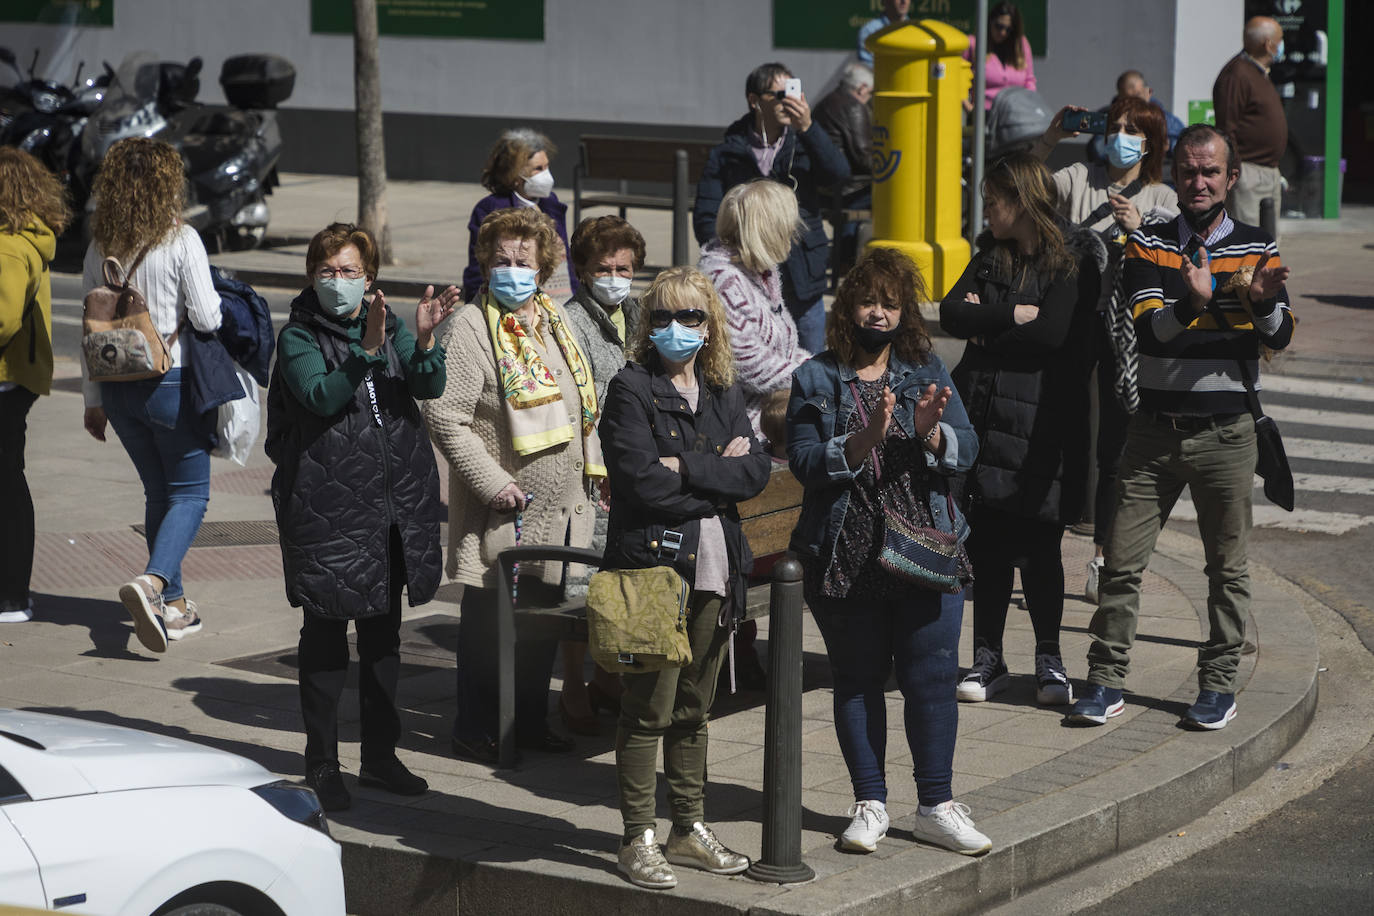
[(231, 151), (46, 118)]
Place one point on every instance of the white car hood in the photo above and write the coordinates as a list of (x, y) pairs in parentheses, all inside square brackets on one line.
[(80, 757)]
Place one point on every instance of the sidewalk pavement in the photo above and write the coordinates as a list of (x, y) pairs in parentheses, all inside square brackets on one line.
[(542, 838)]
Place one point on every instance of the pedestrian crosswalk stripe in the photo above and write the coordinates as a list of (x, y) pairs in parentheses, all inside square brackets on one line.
[(1331, 483), (1316, 417), (1266, 515), (1323, 450), (1315, 387)]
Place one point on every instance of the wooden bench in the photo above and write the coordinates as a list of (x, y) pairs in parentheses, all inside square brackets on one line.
[(657, 160), (767, 520)]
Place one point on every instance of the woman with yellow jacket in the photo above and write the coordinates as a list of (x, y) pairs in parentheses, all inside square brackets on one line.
[(33, 211)]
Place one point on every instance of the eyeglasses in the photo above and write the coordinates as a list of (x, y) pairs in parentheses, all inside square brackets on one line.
[(346, 273), (688, 318)]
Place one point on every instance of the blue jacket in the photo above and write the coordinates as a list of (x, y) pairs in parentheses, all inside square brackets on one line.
[(246, 326), (550, 206), (807, 162), (209, 379), (817, 417)]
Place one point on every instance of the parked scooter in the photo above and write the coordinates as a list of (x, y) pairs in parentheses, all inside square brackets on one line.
[(46, 118), (231, 151)]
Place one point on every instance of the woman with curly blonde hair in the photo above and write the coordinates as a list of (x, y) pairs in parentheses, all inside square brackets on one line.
[(680, 453), (517, 424), (139, 192), (33, 212)]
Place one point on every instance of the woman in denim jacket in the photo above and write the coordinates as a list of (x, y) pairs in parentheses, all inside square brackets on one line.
[(874, 423)]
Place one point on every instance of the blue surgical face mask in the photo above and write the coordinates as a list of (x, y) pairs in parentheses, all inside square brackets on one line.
[(339, 296), (676, 343), (1125, 150), (512, 286)]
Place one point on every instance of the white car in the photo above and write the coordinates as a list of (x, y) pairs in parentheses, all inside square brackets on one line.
[(103, 819)]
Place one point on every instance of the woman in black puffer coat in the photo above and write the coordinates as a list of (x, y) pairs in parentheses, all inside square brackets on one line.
[(1025, 304)]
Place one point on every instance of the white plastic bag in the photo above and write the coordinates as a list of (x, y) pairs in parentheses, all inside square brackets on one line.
[(239, 421)]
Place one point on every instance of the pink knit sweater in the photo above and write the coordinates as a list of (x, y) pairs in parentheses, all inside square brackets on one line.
[(763, 334), (999, 75)]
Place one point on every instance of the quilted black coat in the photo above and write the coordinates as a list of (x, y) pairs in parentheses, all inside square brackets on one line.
[(343, 481)]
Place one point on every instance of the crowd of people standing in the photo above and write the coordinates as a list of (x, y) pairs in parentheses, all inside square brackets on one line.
[(570, 411)]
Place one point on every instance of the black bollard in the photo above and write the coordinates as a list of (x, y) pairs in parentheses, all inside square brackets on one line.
[(781, 861)]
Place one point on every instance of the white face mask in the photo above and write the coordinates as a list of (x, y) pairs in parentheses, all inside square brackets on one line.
[(610, 290), (539, 185)]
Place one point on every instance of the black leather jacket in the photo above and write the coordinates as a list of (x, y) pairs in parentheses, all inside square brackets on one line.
[(645, 418)]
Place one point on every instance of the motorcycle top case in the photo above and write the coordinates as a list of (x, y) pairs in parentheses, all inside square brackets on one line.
[(257, 80)]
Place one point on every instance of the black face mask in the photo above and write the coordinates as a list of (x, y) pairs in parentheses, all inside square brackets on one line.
[(1199, 222), (873, 340)]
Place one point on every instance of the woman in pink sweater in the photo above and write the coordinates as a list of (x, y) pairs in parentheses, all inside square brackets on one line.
[(755, 227), (1009, 57)]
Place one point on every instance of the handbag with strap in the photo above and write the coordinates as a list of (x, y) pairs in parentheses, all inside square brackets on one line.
[(119, 341), (1271, 462), (917, 554), (637, 619)]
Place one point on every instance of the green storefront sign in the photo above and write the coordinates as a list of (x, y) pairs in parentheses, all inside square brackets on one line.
[(58, 12), (522, 20), (833, 24)]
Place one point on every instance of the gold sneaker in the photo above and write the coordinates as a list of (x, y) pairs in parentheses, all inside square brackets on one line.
[(700, 849), (642, 862)]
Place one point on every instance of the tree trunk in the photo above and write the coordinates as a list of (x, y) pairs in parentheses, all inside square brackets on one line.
[(367, 92)]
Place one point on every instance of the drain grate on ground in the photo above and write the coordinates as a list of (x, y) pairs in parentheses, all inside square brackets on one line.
[(232, 534), (427, 643)]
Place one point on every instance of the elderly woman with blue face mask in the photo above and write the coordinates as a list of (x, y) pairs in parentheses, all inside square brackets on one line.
[(356, 493), (681, 454), (517, 424)]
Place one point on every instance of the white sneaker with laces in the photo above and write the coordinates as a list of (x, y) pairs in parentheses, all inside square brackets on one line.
[(1094, 574), (949, 826), (869, 825), (19, 615)]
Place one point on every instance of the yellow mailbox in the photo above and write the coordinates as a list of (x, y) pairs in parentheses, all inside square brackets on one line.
[(920, 83)]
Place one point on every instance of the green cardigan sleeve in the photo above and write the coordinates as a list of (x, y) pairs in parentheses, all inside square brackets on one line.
[(425, 369), (320, 390)]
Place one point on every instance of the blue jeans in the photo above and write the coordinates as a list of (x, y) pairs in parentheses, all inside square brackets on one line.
[(810, 318), (865, 640), (154, 422)]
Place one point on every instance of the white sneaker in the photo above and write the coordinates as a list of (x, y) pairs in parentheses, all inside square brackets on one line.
[(869, 825), (180, 625), (1052, 687), (950, 827), (21, 615), (1094, 573), (142, 598)]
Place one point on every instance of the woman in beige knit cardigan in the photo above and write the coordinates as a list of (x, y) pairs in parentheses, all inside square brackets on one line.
[(517, 423)]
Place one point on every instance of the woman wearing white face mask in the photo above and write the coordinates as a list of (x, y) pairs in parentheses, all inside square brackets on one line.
[(517, 174), (357, 495), (606, 252), (517, 424), (1112, 199)]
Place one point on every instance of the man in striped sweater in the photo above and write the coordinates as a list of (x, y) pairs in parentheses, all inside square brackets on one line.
[(1205, 292)]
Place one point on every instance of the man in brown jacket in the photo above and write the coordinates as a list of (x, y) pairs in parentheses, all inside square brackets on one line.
[(1248, 107)]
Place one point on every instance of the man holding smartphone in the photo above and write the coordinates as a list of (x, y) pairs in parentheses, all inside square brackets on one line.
[(1205, 291), (778, 140)]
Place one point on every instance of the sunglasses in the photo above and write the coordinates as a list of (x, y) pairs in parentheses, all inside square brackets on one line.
[(688, 318)]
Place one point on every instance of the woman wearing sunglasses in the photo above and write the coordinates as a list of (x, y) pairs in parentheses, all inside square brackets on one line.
[(755, 227), (680, 454), (1009, 54)]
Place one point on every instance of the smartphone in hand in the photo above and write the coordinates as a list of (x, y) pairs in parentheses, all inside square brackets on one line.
[(791, 88), (1086, 122)]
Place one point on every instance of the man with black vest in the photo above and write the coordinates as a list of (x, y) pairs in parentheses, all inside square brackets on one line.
[(1205, 292)]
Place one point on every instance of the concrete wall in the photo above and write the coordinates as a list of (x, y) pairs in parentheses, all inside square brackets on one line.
[(646, 66)]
